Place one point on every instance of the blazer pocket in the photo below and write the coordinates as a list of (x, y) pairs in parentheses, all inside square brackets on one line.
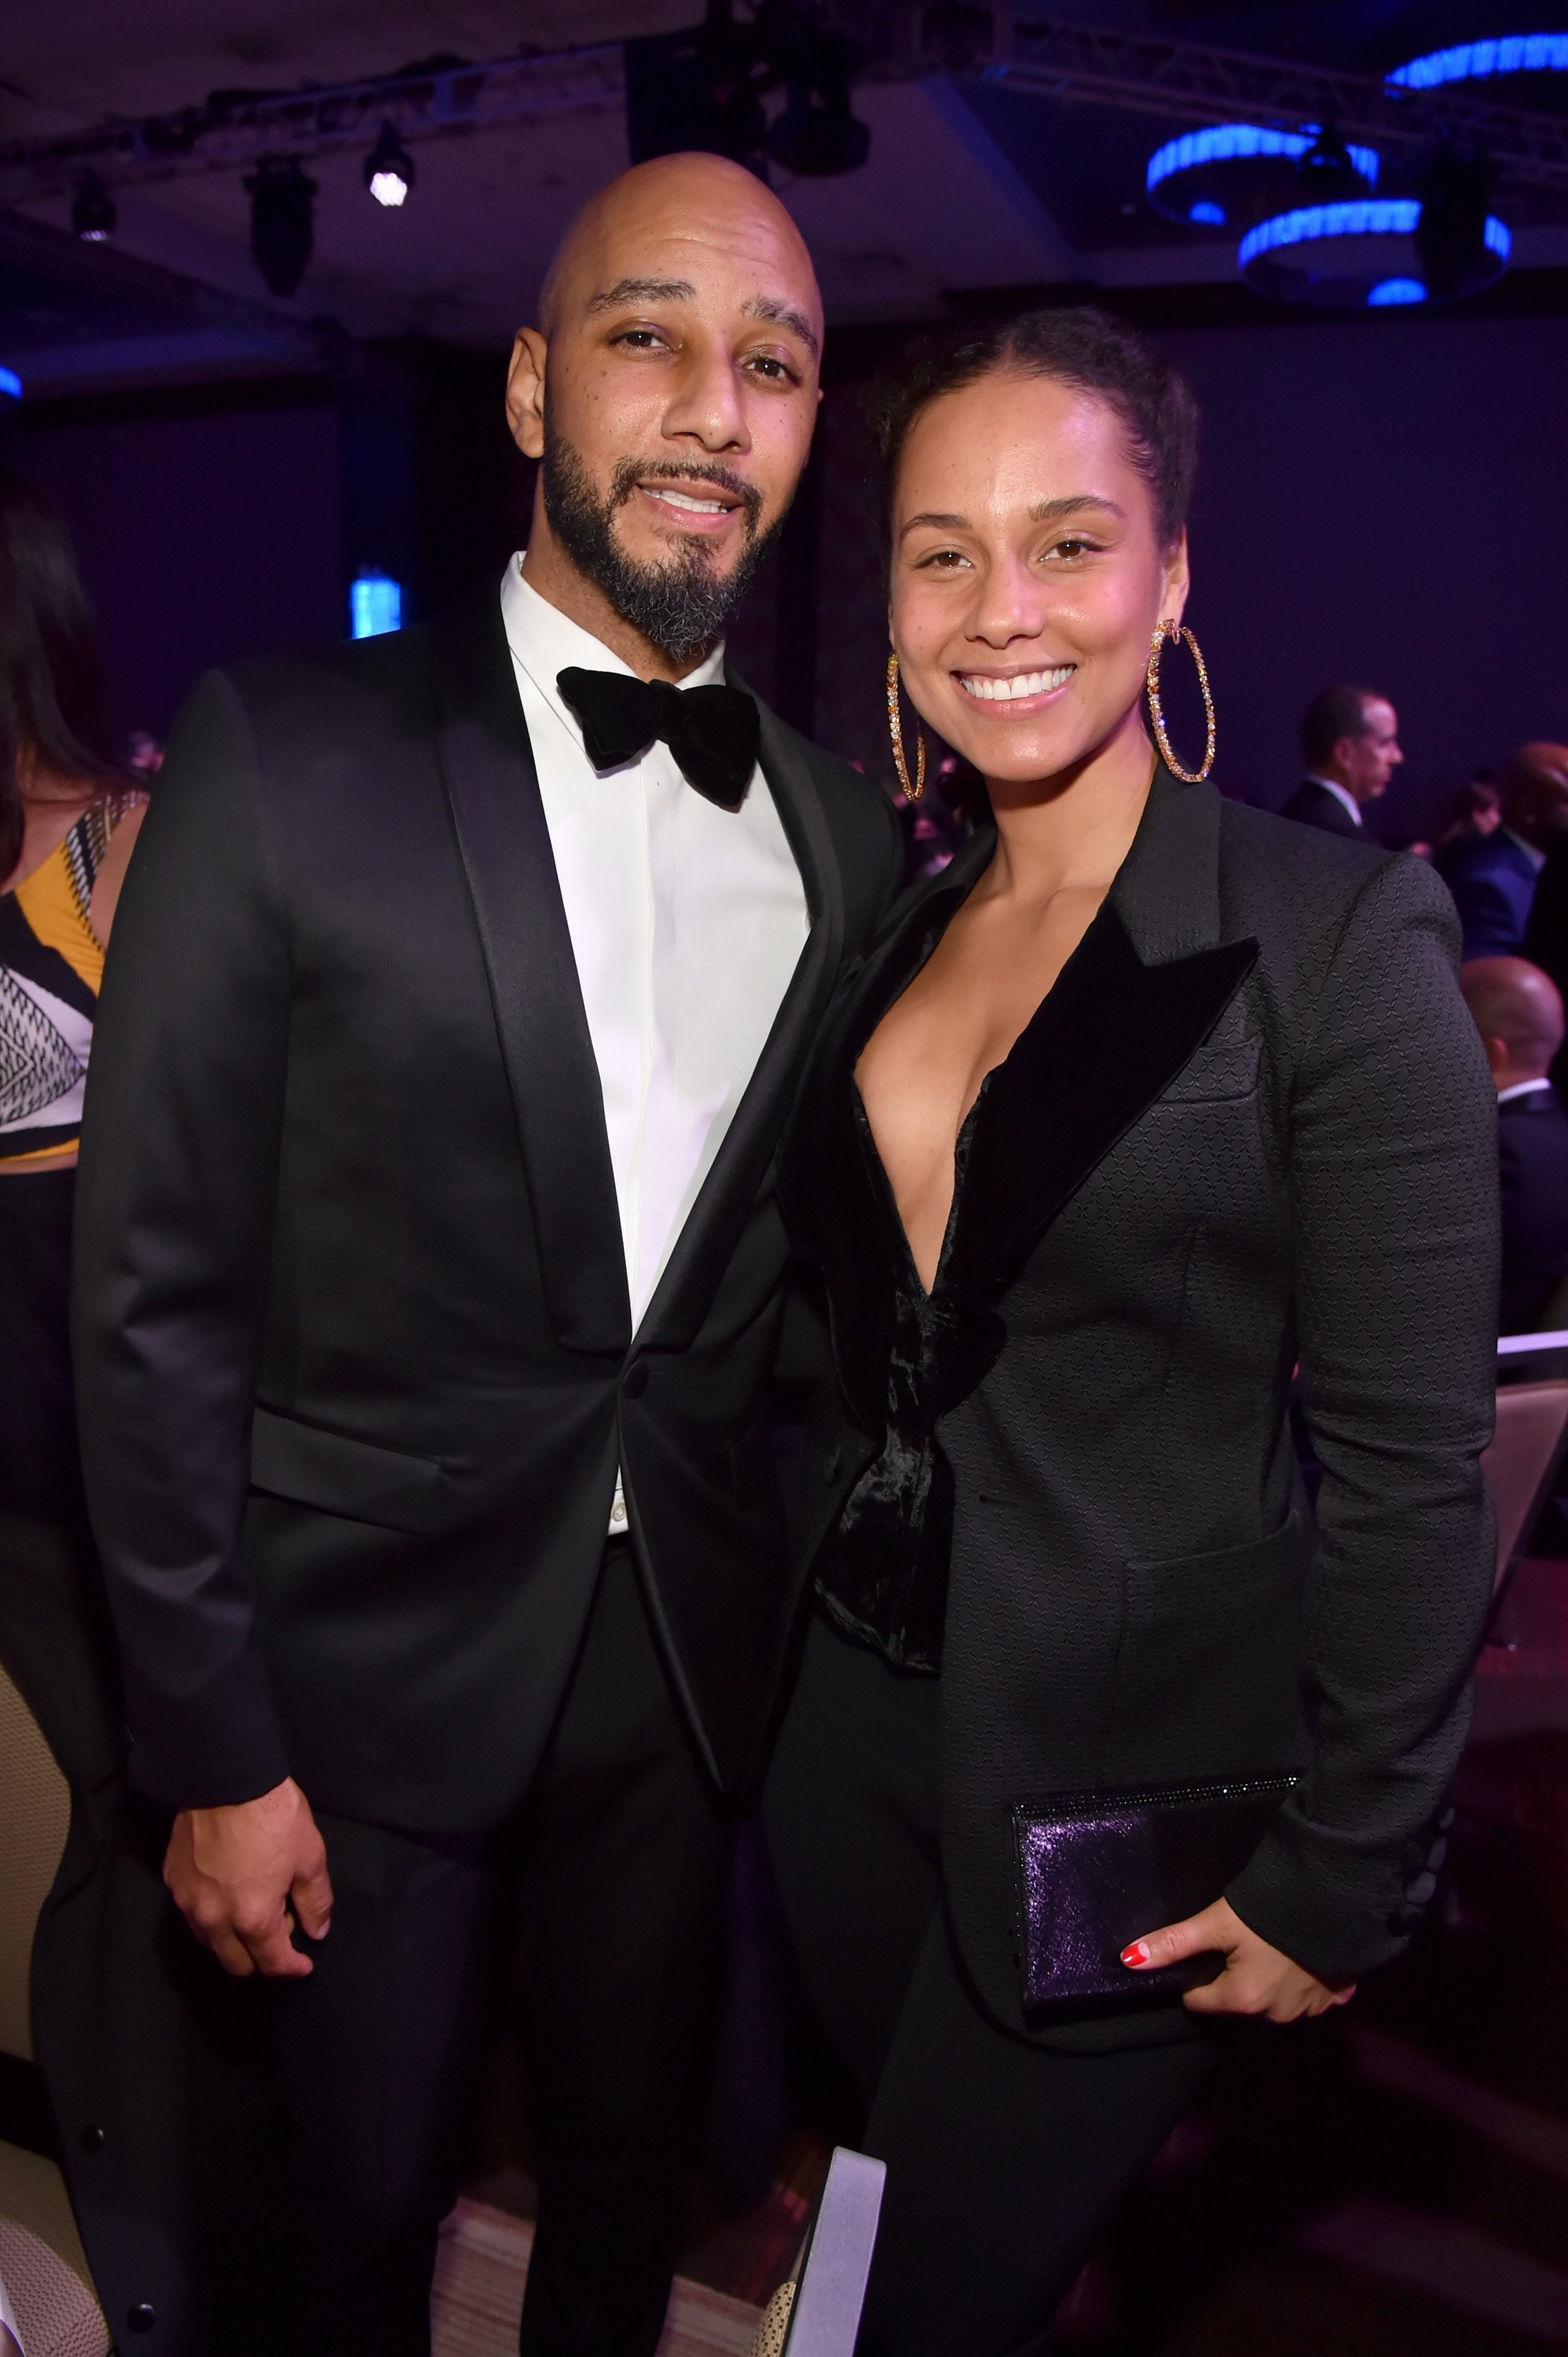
[(1218, 1075), (1212, 1652), (343, 1475)]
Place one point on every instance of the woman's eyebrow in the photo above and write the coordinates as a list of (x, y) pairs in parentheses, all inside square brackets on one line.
[(1053, 510), (932, 516)]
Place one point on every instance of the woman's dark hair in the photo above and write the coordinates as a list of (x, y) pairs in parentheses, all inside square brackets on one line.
[(51, 681), (1079, 346)]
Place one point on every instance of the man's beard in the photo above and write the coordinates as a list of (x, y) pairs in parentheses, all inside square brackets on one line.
[(680, 604)]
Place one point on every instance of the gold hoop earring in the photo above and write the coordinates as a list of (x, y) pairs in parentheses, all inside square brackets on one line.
[(1164, 631), (895, 730)]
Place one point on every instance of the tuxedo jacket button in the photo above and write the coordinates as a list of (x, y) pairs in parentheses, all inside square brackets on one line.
[(634, 1383), (143, 2317), (92, 2139)]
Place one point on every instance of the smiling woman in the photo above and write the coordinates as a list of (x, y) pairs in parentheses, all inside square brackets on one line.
[(1145, 1097)]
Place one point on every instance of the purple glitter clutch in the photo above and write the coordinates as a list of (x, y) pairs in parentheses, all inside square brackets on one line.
[(1096, 1870)]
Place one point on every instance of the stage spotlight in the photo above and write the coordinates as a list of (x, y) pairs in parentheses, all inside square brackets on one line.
[(92, 215), (1451, 235), (816, 135), (701, 89), (1343, 256), (1331, 170), (389, 168), (375, 603), (282, 228), (1243, 172)]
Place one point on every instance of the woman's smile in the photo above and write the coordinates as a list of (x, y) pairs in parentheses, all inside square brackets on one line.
[(1014, 693)]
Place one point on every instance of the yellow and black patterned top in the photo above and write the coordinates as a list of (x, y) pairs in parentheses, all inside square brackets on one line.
[(51, 965)]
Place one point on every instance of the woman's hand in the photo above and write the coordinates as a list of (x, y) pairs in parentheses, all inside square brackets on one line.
[(1256, 1979)]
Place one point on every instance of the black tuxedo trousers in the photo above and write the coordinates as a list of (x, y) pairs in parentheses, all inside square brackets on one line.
[(356, 1370)]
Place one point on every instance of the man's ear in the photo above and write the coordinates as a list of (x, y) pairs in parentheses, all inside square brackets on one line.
[(525, 393)]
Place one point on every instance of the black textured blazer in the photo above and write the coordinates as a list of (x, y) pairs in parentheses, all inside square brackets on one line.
[(1251, 1123), (353, 1347)]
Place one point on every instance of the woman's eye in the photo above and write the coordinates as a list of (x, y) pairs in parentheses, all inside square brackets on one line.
[(1072, 548), (944, 560)]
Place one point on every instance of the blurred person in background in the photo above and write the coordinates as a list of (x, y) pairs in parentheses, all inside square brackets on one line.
[(1494, 878), (69, 817), (1546, 935), (1350, 739), (1517, 1010), (1475, 811)]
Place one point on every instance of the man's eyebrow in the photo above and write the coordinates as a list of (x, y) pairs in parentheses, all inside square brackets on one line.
[(642, 290), (784, 315)]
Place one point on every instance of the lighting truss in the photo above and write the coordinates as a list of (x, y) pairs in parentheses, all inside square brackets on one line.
[(1137, 72)]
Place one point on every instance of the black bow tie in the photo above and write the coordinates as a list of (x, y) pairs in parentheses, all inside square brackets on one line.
[(711, 731)]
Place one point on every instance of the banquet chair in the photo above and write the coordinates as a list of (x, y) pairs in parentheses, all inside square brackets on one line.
[(43, 2267)]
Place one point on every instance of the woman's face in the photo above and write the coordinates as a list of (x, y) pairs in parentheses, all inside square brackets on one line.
[(1027, 576)]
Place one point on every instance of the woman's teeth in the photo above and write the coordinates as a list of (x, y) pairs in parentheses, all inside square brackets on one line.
[(1025, 682), (681, 499)]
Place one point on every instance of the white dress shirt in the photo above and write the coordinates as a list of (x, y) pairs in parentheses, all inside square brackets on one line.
[(1521, 1089), (687, 923)]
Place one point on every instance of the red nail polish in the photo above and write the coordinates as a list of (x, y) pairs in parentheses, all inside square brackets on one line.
[(1137, 1954)]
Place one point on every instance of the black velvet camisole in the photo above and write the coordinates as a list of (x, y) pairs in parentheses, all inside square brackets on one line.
[(882, 1575)]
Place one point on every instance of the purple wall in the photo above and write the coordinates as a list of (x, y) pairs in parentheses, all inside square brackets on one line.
[(203, 539)]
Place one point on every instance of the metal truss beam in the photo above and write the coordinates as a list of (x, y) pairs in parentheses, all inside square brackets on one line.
[(1176, 79)]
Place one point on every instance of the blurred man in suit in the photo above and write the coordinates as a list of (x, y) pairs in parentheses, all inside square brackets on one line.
[(1546, 936), (1517, 1011), (1494, 879), (1350, 739)]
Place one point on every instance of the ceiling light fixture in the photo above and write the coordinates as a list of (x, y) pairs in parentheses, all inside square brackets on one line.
[(1514, 53), (92, 215), (1345, 256), (283, 228), (389, 169), (1236, 171)]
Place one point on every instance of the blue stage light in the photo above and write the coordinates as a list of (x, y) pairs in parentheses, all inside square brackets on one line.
[(1478, 60), (375, 604), (1396, 290), (1379, 217), (1207, 215), (10, 383), (1219, 143)]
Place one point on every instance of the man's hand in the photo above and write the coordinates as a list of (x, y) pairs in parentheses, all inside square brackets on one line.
[(234, 1871), (1256, 1979)]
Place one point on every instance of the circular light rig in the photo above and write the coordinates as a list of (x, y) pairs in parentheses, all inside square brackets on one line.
[(1231, 173), (1354, 256), (389, 169)]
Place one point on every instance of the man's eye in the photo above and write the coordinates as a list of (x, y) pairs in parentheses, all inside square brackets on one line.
[(643, 338), (769, 365)]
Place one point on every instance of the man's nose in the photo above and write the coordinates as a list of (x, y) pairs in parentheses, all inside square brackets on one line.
[(707, 405)]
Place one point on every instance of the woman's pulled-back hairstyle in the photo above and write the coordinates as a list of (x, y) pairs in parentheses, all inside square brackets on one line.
[(51, 682), (1078, 347)]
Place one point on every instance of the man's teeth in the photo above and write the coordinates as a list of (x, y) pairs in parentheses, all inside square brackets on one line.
[(1025, 682), (682, 499)]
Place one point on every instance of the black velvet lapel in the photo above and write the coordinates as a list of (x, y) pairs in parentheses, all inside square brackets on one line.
[(703, 1249), (493, 789), (1136, 1000)]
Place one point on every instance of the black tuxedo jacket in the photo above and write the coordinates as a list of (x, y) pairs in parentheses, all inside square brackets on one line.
[(1251, 1123), (1314, 805), (353, 1344), (1532, 1156)]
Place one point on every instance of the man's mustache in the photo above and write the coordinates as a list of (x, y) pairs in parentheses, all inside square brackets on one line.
[(632, 472)]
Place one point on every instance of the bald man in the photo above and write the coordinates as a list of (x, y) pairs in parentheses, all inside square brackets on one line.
[(430, 1274), (1495, 878), (1517, 1011)]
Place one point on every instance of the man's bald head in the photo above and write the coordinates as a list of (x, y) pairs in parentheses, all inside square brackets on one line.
[(688, 190), (671, 393), (1517, 1011)]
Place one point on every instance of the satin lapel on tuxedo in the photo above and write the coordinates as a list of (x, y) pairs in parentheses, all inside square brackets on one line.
[(703, 1249), (493, 789)]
